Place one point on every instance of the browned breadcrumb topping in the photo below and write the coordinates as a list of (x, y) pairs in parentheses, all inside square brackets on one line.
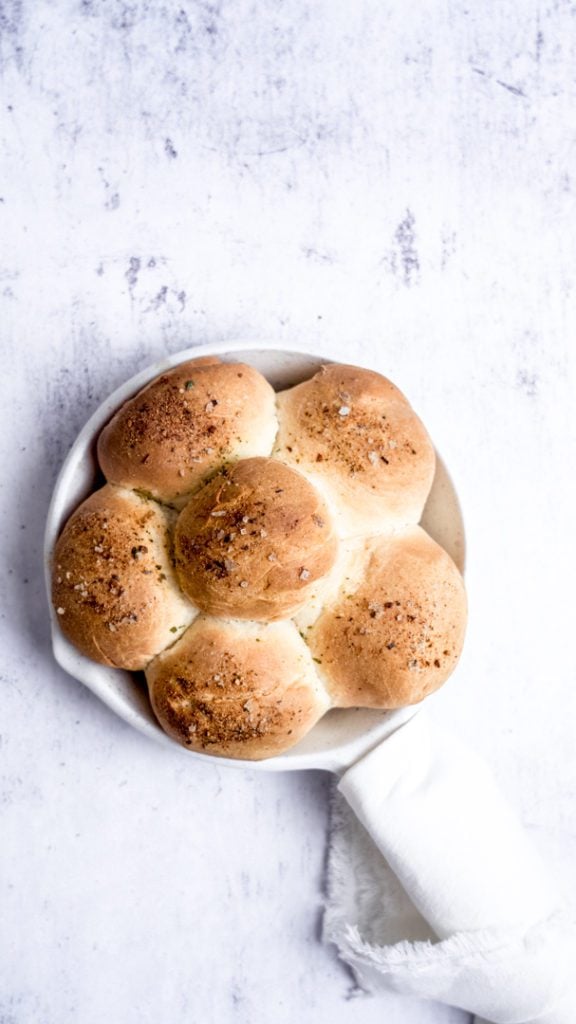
[(204, 720), (353, 428), (358, 421), (180, 426), (358, 440), (216, 701), (408, 628), (172, 421)]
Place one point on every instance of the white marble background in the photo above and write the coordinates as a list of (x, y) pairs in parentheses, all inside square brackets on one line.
[(387, 179)]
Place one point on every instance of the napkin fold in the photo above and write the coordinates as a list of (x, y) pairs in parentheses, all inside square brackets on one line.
[(434, 891)]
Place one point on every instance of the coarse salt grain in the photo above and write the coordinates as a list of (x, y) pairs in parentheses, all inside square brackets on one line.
[(373, 458), (344, 410), (60, 611), (244, 583), (304, 574)]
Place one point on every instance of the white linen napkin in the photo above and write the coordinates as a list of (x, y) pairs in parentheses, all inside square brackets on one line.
[(438, 893)]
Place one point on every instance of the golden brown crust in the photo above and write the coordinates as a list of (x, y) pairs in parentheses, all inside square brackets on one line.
[(185, 424), (113, 585), (237, 689), (355, 435), (253, 541), (397, 636)]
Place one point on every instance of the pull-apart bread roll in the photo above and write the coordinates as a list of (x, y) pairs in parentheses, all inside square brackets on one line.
[(238, 689), (355, 435), (186, 424), (254, 541), (113, 585), (396, 633)]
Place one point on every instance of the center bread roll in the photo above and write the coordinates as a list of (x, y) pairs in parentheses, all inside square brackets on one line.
[(254, 542)]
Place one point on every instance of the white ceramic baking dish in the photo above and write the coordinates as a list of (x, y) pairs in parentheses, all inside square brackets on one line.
[(341, 736)]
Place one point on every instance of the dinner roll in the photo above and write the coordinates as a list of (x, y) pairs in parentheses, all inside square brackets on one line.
[(356, 436), (395, 636), (113, 585), (254, 541), (185, 424), (237, 689)]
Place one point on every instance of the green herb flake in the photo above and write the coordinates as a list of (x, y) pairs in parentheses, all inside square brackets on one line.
[(173, 629), (189, 385)]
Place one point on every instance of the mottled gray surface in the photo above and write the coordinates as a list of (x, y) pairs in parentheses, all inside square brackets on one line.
[(386, 180)]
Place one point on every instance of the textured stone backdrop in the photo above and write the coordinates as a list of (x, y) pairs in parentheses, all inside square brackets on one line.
[(391, 181)]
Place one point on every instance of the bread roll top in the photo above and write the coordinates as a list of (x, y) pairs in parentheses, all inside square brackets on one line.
[(395, 633), (113, 584), (254, 541), (184, 425), (354, 434), (237, 689)]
